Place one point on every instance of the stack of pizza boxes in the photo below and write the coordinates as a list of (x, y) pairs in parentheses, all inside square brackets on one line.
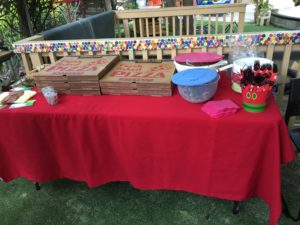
[(139, 78), (76, 75)]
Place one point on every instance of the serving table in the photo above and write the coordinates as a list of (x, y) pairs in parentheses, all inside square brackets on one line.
[(152, 142)]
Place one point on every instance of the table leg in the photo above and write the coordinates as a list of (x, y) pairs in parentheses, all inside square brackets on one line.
[(236, 207), (37, 186), (286, 211)]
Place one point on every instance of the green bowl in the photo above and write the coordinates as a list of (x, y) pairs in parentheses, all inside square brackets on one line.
[(255, 108)]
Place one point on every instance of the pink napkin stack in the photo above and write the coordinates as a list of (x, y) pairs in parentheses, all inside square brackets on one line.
[(217, 109)]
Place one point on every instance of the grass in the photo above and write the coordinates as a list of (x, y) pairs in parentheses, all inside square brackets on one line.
[(73, 203), (252, 27)]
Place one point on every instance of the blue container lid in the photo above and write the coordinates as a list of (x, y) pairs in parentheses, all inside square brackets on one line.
[(194, 77)]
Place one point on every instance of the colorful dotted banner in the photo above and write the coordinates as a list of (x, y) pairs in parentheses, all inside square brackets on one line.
[(163, 43)]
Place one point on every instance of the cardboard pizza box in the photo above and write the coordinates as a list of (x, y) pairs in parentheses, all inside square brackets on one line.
[(84, 92), (147, 78), (55, 84), (77, 68), (137, 87), (115, 91), (84, 85), (134, 85)]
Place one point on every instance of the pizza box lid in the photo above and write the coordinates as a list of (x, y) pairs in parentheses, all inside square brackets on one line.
[(139, 72), (78, 66)]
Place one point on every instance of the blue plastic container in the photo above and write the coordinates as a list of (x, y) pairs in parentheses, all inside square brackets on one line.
[(196, 85)]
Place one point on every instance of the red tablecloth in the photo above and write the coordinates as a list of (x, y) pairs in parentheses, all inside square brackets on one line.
[(152, 142)]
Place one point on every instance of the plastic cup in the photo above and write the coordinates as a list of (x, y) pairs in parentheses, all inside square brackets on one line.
[(51, 98), (50, 95)]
